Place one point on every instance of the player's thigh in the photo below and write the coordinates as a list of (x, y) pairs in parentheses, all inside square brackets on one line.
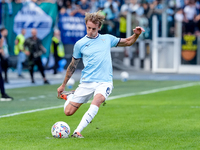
[(80, 96), (102, 92), (71, 108), (98, 99), (74, 102)]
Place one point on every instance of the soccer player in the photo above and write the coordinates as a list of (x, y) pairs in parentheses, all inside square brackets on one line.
[(96, 78)]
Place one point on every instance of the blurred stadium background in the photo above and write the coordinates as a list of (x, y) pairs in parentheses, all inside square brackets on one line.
[(169, 44)]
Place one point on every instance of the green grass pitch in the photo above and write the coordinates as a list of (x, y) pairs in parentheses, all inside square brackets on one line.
[(165, 120)]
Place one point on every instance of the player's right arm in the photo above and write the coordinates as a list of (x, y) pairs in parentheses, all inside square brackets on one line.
[(70, 70)]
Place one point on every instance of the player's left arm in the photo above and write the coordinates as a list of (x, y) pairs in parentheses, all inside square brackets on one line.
[(131, 40)]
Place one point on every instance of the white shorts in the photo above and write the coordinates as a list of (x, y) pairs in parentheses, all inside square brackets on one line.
[(86, 90)]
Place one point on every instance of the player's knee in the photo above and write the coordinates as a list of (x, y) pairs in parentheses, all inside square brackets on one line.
[(69, 112), (71, 108)]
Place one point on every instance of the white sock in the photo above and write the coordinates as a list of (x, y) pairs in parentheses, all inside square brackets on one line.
[(87, 118)]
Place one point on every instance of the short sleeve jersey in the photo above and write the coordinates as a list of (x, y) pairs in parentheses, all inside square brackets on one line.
[(96, 56)]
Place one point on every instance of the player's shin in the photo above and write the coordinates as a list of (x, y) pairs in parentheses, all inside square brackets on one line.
[(87, 118)]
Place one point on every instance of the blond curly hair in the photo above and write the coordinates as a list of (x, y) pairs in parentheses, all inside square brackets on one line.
[(96, 18)]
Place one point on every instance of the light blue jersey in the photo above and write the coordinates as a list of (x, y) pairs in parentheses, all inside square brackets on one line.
[(96, 56)]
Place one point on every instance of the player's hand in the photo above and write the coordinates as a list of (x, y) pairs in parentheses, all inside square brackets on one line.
[(60, 90), (138, 30)]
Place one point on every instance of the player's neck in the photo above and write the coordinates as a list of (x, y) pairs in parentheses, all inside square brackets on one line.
[(93, 37)]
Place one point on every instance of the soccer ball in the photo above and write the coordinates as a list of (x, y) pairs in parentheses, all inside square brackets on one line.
[(124, 76), (60, 130)]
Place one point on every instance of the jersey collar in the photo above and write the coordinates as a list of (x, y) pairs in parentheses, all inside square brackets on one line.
[(94, 37)]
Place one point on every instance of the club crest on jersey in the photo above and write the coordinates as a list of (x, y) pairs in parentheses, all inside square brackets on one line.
[(103, 40)]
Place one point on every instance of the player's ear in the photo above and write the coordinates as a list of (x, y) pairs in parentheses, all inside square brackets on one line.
[(99, 28)]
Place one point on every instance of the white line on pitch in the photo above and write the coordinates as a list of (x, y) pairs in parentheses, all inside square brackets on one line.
[(111, 98), (29, 111)]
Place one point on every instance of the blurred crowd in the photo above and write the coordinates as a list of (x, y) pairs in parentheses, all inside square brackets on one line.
[(186, 11)]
